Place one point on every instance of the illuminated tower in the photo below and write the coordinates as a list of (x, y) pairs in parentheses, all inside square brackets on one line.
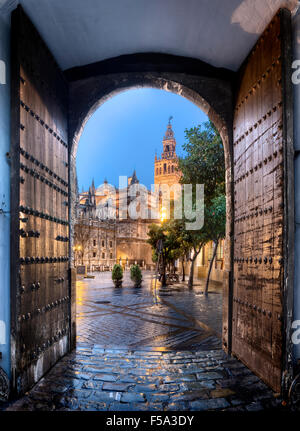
[(165, 168)]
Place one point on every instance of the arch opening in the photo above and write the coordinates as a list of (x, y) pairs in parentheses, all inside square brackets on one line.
[(95, 101)]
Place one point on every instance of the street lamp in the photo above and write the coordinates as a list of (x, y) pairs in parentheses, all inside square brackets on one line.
[(77, 248), (163, 214)]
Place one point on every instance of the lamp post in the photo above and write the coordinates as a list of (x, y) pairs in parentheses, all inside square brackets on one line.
[(163, 214), (76, 249)]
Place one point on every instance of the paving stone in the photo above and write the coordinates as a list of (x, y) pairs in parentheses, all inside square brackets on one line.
[(192, 386), (82, 376), (240, 372), (236, 401), (140, 378), (190, 370), (235, 409), (177, 406), (130, 397), (145, 388), (104, 396), (190, 396), (106, 377), (209, 376), (119, 387), (227, 383), (248, 380), (211, 404), (119, 407), (78, 394), (159, 397), (95, 369), (90, 385), (180, 378), (220, 393), (170, 387), (155, 406), (254, 407)]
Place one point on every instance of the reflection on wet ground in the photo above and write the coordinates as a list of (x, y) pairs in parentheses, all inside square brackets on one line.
[(147, 349), (174, 317)]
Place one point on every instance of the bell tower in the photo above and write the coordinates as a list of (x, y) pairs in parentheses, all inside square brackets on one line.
[(165, 167)]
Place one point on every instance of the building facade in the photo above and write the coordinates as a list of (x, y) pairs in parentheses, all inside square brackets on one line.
[(166, 172), (106, 234)]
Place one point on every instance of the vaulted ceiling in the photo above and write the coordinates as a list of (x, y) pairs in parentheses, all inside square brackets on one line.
[(219, 32)]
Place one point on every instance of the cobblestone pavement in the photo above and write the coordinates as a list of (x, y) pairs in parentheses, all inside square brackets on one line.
[(173, 318), (144, 350)]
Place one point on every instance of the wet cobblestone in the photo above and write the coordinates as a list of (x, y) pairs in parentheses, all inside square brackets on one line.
[(136, 388), (142, 351)]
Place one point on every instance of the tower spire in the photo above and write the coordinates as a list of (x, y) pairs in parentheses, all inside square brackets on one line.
[(134, 179), (169, 142)]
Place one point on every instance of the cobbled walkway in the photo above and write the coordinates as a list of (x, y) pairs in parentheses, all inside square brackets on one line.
[(146, 349)]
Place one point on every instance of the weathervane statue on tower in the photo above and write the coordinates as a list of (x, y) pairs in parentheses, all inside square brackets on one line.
[(170, 118)]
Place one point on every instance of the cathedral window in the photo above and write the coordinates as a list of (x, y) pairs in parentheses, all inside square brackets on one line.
[(103, 243), (94, 254), (103, 255), (172, 168), (168, 169), (165, 168), (110, 244), (94, 243)]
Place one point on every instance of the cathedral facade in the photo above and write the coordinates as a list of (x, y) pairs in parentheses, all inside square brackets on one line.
[(104, 236)]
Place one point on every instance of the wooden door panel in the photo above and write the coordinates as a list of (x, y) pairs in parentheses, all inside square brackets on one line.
[(259, 216), (40, 229)]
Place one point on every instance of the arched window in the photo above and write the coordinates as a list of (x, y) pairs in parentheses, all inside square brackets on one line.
[(168, 169), (156, 171), (165, 168), (172, 168), (160, 171)]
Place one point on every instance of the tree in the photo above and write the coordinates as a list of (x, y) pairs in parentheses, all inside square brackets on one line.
[(170, 245), (204, 164), (215, 229), (82, 235), (191, 242)]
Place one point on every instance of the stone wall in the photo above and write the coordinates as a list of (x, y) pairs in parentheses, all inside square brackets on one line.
[(4, 193)]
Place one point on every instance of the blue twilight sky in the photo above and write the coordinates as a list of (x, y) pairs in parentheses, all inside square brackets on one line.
[(125, 131)]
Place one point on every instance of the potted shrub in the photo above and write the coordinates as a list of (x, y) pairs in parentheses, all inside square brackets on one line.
[(136, 275), (117, 275)]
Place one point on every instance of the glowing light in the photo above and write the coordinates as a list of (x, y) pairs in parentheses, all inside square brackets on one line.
[(163, 214)]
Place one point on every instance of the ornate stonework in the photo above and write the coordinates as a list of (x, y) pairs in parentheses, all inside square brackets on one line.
[(103, 237)]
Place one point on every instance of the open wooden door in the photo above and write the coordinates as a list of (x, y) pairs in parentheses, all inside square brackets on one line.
[(40, 288), (263, 177)]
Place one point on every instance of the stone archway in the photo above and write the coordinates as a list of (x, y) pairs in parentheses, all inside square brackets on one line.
[(51, 107), (212, 94)]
